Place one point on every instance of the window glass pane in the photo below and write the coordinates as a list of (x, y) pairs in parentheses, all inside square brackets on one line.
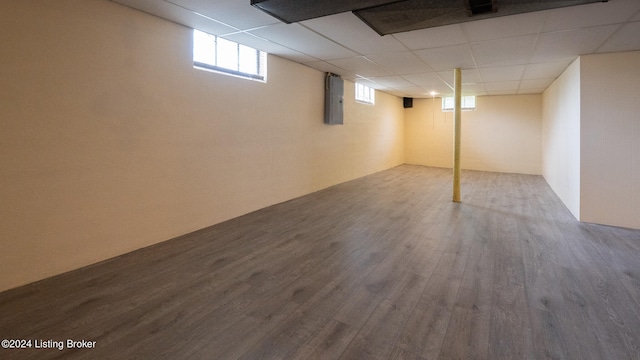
[(262, 64), (213, 53), (447, 103), (248, 60), (204, 47), (365, 93), (467, 103), (227, 54)]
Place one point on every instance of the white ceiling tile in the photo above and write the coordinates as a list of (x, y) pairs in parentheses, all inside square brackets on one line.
[(413, 91), (395, 93), (429, 82), (349, 31), (625, 39), (400, 63), (423, 93), (505, 26), (293, 56), (545, 70), (392, 81), (432, 37), (508, 51), (201, 23), (295, 36), (468, 76), (361, 66), (382, 89), (326, 67), (473, 89), (239, 14), (535, 84), (502, 86), (567, 45), (595, 14), (503, 73), (439, 89), (425, 80), (180, 15), (269, 47), (370, 83), (502, 92), (447, 58)]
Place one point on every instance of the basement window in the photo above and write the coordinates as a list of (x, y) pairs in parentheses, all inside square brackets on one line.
[(214, 53), (468, 103), (365, 94)]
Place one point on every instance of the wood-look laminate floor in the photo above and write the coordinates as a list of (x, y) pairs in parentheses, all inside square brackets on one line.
[(383, 267)]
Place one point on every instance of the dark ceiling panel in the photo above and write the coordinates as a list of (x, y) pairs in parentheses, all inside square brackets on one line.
[(475, 7), (291, 11), (419, 14)]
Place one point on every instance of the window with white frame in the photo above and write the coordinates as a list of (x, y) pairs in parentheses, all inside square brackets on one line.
[(468, 103), (365, 94), (214, 53)]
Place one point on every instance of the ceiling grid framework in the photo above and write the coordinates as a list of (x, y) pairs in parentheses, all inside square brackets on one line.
[(514, 54)]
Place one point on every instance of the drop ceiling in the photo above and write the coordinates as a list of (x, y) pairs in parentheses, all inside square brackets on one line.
[(515, 54), (408, 15)]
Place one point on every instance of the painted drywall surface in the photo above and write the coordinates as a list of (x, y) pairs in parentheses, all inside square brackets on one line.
[(610, 153), (376, 132), (561, 137), (111, 141), (502, 134)]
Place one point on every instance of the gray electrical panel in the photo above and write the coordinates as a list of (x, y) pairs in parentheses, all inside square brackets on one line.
[(333, 96)]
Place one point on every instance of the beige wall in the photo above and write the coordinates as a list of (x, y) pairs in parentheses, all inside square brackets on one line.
[(502, 134), (111, 141), (590, 138), (561, 137), (610, 154)]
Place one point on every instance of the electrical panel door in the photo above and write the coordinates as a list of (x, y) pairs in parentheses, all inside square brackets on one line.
[(333, 98)]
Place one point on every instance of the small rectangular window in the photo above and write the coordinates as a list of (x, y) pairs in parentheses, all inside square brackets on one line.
[(214, 53), (468, 103), (365, 94)]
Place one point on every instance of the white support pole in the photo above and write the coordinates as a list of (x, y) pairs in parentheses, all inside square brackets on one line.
[(457, 94)]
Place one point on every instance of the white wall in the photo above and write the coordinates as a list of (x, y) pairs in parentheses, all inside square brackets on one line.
[(110, 140), (610, 166), (561, 137), (502, 134)]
